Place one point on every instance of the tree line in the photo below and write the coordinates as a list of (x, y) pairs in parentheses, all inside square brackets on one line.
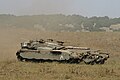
[(59, 22)]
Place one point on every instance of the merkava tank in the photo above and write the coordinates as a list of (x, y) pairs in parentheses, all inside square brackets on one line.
[(49, 50)]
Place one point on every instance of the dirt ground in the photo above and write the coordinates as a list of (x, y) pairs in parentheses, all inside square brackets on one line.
[(11, 69)]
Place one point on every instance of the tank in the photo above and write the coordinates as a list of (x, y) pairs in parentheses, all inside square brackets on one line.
[(50, 50)]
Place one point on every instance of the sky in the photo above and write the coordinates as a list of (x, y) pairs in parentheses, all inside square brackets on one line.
[(87, 8)]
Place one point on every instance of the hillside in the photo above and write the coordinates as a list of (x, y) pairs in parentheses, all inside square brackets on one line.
[(61, 23)]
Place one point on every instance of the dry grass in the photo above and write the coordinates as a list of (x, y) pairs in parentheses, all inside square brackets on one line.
[(54, 71), (11, 69)]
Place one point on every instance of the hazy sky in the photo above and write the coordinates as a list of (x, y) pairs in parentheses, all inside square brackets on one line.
[(109, 8)]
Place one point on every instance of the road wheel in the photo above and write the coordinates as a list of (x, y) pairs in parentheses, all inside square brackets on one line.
[(102, 61), (20, 58), (92, 63)]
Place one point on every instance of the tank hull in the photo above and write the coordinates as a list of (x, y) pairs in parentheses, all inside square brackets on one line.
[(46, 55)]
